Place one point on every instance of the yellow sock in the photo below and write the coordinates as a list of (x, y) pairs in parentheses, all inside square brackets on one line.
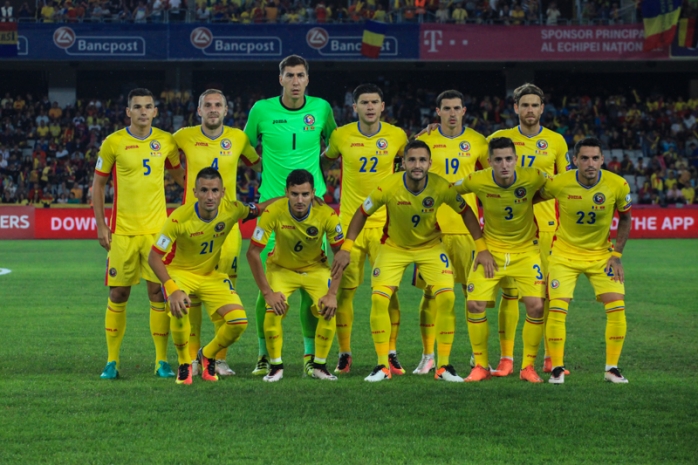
[(180, 329), (394, 312), (555, 331), (508, 320), (115, 327), (273, 335), (616, 327), (324, 334), (159, 329), (235, 323), (546, 311), (195, 323), (427, 321), (444, 299), (380, 322), (345, 318), (479, 332), (223, 353), (532, 334)]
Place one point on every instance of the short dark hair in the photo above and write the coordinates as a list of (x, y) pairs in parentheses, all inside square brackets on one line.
[(416, 144), (366, 89), (208, 173), (293, 60), (450, 94), (501, 143), (528, 89), (587, 142), (298, 177), (139, 92)]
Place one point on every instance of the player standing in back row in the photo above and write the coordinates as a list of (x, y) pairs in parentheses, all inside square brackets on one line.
[(541, 148), (291, 128), (220, 147)]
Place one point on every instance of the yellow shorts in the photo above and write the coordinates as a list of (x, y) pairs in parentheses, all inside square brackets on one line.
[(545, 242), (230, 254), (523, 269), (460, 248), (127, 261), (215, 290), (315, 282), (564, 272), (434, 265), (366, 245)]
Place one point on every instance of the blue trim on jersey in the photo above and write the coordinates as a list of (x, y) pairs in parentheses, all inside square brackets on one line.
[(505, 187), (196, 209), (534, 135), (138, 138), (212, 138), (404, 181), (576, 176), (304, 217), (449, 137), (358, 128)]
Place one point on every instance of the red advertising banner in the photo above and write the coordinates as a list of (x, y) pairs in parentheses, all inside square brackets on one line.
[(534, 43), (79, 223)]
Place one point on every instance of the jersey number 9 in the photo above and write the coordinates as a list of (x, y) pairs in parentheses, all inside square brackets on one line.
[(415, 220)]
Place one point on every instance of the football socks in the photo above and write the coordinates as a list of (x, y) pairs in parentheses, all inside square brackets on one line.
[(234, 324), (195, 325), (345, 318), (159, 329), (444, 299), (616, 327), (380, 322), (508, 320), (479, 333), (115, 327), (555, 331), (427, 322), (181, 328), (532, 335)]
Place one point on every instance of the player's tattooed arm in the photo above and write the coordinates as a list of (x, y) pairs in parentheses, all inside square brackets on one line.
[(177, 299), (614, 263)]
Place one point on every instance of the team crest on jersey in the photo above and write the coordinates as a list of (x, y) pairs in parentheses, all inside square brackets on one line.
[(520, 192), (464, 146), (309, 120), (471, 287), (554, 283), (226, 144), (155, 145), (220, 226), (542, 144), (376, 271), (312, 231), (112, 272), (599, 198), (382, 144), (428, 202)]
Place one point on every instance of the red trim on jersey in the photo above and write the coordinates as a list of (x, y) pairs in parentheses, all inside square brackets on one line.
[(337, 244), (170, 256), (385, 228), (257, 244), (363, 211), (102, 174), (535, 221), (184, 196), (168, 165), (341, 181), (106, 274), (478, 166), (116, 197), (247, 161), (158, 251)]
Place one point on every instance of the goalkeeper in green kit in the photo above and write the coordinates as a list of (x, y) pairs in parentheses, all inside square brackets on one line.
[(290, 128)]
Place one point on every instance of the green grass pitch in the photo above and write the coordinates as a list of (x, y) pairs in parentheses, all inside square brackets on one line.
[(55, 409)]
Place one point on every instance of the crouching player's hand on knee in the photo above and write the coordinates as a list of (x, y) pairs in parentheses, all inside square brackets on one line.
[(327, 306)]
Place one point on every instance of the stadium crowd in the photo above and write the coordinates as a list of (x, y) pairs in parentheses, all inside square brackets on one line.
[(507, 12), (47, 153)]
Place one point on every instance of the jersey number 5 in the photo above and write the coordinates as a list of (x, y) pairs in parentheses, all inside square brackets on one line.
[(146, 165)]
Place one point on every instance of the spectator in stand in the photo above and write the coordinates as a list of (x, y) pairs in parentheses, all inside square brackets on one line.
[(627, 166), (517, 15), (140, 13), (25, 13), (460, 14), (272, 11), (47, 12), (7, 14), (203, 13), (442, 14), (614, 166)]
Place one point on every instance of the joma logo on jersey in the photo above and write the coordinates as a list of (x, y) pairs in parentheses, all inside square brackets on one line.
[(279, 121), (382, 144), (201, 144), (287, 226), (128, 147), (574, 197), (226, 144), (519, 143), (404, 202), (357, 144), (495, 196), (439, 146), (542, 144), (464, 146), (198, 233), (599, 198)]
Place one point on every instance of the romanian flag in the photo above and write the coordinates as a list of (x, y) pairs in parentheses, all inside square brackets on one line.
[(8, 39), (372, 42), (687, 36), (661, 18)]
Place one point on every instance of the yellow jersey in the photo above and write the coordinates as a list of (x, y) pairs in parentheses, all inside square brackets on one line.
[(453, 158), (586, 213), (546, 151), (137, 167), (222, 153), (510, 226), (412, 220), (366, 160), (193, 244), (298, 240)]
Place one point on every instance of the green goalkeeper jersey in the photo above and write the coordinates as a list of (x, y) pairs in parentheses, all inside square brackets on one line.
[(290, 140)]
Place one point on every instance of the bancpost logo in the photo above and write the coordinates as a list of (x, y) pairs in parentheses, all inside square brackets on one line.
[(345, 46), (105, 46), (235, 46)]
